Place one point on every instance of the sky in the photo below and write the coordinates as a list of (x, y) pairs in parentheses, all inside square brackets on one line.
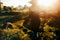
[(42, 4), (15, 3)]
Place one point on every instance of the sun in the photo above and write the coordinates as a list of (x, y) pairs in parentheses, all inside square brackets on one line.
[(47, 5), (45, 2)]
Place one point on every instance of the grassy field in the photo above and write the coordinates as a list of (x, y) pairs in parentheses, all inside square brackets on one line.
[(11, 28)]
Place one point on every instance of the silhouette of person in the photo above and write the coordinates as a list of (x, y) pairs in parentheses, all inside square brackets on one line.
[(33, 23)]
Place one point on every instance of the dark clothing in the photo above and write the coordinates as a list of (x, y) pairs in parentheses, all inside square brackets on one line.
[(32, 22)]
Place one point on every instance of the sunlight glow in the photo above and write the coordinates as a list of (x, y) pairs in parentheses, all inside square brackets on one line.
[(45, 3)]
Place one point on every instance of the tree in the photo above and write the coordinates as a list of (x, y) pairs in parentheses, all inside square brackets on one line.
[(7, 9)]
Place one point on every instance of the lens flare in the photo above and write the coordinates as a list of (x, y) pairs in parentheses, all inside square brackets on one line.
[(47, 5)]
